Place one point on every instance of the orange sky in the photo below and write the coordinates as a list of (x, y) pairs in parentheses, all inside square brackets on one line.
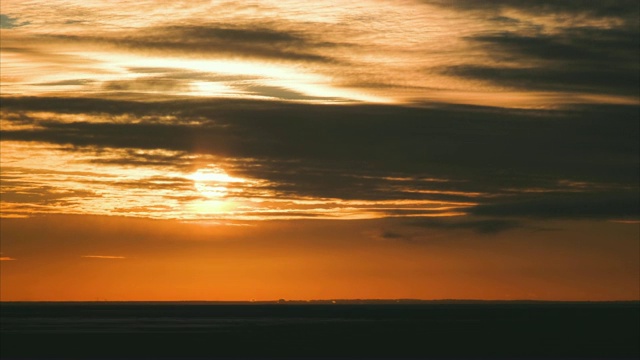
[(242, 150), (162, 260)]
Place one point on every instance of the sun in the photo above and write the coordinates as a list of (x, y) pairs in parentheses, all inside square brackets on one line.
[(212, 183)]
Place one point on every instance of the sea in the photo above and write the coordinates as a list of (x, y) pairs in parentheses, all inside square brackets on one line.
[(320, 330)]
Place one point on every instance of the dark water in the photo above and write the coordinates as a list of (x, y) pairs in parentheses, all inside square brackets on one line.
[(163, 330)]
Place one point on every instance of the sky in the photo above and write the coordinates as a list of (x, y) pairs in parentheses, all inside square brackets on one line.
[(238, 150)]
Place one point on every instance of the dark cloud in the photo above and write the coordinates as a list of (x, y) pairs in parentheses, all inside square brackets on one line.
[(481, 226), (41, 195), (592, 60), (278, 92), (596, 52), (74, 82), (193, 40), (392, 235), (418, 211), (238, 35), (8, 22), (417, 140), (610, 81), (610, 205), (21, 46), (626, 9), (589, 45), (137, 158), (159, 84), (361, 151), (77, 105), (505, 20), (420, 229)]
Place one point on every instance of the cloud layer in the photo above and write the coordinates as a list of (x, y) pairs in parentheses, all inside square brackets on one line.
[(518, 109), (522, 54), (303, 160)]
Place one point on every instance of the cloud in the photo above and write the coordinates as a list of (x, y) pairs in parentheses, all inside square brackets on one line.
[(449, 159), (280, 93), (605, 80), (206, 40), (582, 45), (577, 47), (485, 147), (422, 229), (6, 258), (16, 191), (107, 257), (8, 22), (455, 51), (74, 82), (136, 157), (154, 84), (481, 226), (263, 35), (606, 8), (421, 138), (392, 235), (613, 205), (591, 60)]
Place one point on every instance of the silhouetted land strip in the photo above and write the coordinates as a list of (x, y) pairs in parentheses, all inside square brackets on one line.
[(349, 328)]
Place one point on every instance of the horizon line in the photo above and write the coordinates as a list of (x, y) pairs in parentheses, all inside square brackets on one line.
[(329, 301)]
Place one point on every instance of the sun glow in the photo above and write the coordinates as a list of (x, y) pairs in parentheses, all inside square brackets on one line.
[(211, 181), (212, 207), (213, 173), (69, 184)]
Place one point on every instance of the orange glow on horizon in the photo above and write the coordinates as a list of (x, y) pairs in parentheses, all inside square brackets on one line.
[(310, 260)]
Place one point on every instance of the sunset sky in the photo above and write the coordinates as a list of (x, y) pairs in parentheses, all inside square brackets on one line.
[(237, 150)]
